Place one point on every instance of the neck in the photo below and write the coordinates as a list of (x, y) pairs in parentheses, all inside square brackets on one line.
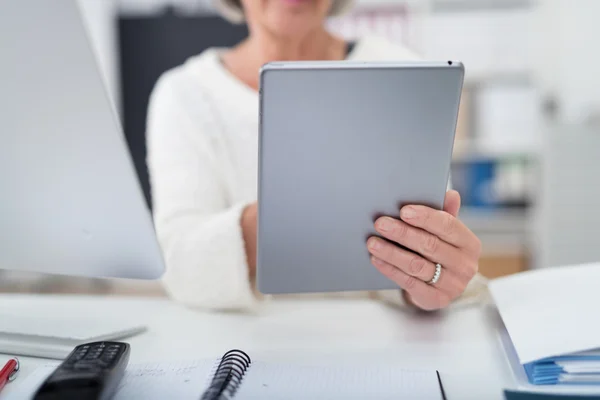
[(261, 47), (315, 45)]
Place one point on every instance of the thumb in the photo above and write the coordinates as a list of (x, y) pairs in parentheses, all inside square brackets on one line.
[(452, 203)]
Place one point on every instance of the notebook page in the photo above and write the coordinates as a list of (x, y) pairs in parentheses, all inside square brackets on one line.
[(295, 382), (142, 381), (262, 381)]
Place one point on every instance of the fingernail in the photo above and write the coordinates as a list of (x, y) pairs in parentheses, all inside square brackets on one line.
[(384, 224), (408, 212), (374, 244)]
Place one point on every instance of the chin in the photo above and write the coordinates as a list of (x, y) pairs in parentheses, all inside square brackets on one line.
[(289, 18), (293, 26)]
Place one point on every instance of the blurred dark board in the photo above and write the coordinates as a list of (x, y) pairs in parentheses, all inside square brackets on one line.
[(151, 45)]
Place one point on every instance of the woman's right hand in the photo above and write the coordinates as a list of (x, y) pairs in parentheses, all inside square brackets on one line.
[(248, 223)]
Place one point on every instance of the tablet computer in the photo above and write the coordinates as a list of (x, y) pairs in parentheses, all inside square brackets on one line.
[(342, 143)]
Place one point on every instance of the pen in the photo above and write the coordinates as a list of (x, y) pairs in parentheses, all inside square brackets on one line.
[(9, 372), (442, 391)]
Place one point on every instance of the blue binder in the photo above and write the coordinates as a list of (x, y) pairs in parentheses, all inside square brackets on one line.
[(555, 370), (526, 395), (540, 380), (552, 340)]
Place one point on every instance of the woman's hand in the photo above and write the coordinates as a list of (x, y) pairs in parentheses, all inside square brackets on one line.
[(435, 237)]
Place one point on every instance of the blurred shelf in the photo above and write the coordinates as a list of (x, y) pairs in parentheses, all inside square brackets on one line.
[(506, 77), (141, 8), (479, 155), (469, 150), (495, 220), (450, 5), (503, 232), (479, 5), (31, 282), (496, 265)]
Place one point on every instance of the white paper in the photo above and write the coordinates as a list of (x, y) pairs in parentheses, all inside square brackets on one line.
[(188, 380), (580, 367), (142, 381), (550, 311), (293, 382)]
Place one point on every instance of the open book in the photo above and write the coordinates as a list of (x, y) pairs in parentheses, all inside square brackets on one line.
[(236, 376)]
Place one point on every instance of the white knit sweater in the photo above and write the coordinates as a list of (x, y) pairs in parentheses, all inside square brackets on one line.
[(202, 138)]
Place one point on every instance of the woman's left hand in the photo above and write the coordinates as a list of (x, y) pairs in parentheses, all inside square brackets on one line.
[(435, 237)]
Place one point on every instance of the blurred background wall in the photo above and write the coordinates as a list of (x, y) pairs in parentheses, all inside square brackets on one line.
[(526, 153)]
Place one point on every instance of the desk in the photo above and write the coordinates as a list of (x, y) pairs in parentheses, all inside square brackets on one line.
[(461, 344)]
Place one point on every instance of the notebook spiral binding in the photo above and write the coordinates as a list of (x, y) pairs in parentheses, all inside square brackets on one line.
[(228, 376)]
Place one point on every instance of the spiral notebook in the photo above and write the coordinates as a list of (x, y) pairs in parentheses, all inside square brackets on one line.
[(236, 376)]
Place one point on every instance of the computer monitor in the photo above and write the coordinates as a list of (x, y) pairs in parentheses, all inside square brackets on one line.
[(70, 199)]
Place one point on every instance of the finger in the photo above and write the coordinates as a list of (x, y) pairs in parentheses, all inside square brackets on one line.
[(415, 265), (429, 246), (440, 224), (421, 294), (452, 203), (450, 283), (411, 263)]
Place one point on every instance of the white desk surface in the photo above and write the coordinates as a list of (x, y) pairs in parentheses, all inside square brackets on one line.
[(462, 344)]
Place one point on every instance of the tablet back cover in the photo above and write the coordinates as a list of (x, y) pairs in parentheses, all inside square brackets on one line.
[(342, 143)]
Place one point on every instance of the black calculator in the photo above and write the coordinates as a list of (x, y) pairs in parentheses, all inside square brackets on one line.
[(91, 371)]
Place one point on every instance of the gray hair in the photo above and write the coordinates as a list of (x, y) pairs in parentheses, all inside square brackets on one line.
[(232, 10)]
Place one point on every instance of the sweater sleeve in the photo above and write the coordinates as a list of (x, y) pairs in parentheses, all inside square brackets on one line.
[(198, 230), (475, 293)]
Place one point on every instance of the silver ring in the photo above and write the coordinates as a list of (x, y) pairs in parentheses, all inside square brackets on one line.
[(436, 275)]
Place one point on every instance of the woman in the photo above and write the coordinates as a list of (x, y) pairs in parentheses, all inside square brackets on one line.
[(202, 159)]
